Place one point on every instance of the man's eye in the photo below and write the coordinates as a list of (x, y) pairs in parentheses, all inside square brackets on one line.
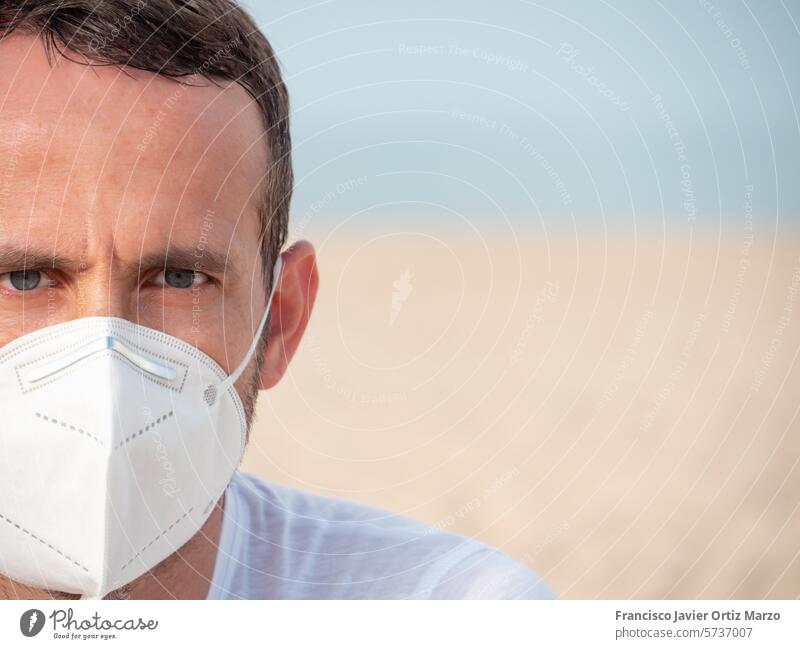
[(22, 281), (180, 278)]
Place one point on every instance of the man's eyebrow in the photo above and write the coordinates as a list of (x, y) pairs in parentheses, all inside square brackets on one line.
[(203, 259), (16, 258)]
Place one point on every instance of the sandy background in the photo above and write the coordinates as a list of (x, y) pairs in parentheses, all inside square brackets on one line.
[(619, 413)]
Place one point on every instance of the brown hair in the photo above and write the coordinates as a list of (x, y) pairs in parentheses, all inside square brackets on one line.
[(177, 38)]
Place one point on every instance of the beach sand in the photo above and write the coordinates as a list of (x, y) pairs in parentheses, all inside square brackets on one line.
[(618, 413)]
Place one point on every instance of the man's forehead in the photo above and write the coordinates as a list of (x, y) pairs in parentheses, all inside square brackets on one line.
[(118, 119), (109, 95), (130, 141)]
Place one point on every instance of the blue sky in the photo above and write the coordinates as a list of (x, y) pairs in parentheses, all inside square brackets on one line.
[(631, 112)]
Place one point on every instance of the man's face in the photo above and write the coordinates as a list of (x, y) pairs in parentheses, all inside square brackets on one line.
[(126, 194)]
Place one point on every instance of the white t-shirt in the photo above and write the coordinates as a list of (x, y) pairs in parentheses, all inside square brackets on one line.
[(278, 542)]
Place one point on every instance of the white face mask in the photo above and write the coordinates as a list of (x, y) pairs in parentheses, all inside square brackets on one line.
[(116, 441)]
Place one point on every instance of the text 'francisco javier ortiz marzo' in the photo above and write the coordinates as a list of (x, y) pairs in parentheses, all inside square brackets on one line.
[(696, 616)]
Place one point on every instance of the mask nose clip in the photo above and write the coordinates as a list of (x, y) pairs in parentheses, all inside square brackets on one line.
[(60, 363)]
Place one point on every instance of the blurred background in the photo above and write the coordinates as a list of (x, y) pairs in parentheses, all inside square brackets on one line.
[(560, 303)]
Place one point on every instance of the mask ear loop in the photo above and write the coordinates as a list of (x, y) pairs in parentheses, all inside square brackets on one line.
[(211, 391)]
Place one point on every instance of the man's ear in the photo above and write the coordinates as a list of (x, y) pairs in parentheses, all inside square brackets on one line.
[(291, 309)]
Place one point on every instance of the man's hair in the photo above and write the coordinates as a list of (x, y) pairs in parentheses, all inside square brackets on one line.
[(177, 38)]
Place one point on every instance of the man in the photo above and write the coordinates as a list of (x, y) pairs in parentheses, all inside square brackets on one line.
[(146, 181)]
